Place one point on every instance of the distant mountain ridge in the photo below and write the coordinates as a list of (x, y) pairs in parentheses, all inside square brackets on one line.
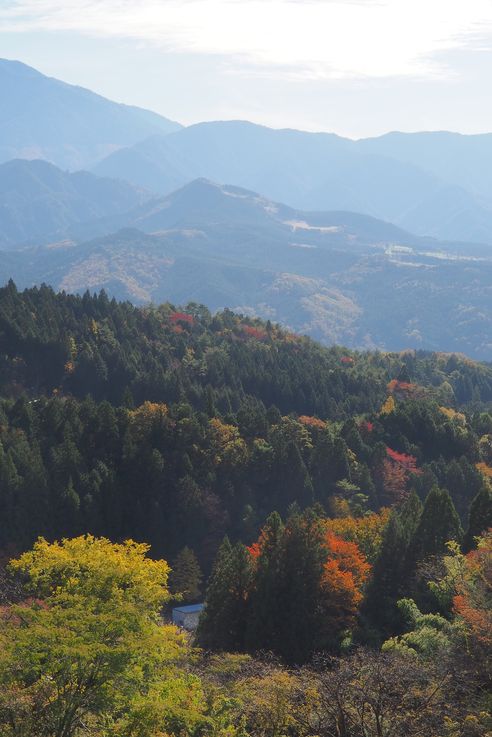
[(41, 204), (41, 117), (323, 171), (462, 160), (352, 256), (337, 276), (431, 183), (205, 203), (38, 201)]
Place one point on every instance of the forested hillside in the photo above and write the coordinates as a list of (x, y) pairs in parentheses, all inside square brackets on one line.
[(175, 427), (331, 507)]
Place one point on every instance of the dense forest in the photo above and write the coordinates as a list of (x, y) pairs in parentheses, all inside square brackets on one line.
[(331, 506)]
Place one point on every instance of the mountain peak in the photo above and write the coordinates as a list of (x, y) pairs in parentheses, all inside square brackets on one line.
[(42, 117), (203, 202), (13, 66)]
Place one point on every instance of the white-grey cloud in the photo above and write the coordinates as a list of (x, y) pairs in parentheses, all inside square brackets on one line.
[(318, 39)]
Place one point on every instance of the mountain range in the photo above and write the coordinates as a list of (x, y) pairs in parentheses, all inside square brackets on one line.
[(433, 183), (391, 177), (338, 276), (377, 243)]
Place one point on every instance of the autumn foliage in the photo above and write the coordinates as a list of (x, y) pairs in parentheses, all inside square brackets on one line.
[(408, 462), (484, 469), (312, 422), (252, 332), (403, 388), (148, 415), (366, 427), (452, 414), (183, 317), (395, 479), (256, 549), (388, 406), (366, 532), (473, 601), (396, 470), (227, 446), (345, 573)]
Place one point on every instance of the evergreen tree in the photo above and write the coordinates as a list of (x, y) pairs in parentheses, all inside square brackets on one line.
[(263, 625), (403, 374), (186, 576), (298, 590), (294, 484), (455, 484), (350, 433), (223, 622), (68, 507), (439, 523), (480, 518), (390, 569), (127, 400)]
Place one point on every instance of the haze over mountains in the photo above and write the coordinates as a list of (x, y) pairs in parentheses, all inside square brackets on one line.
[(70, 126), (386, 177), (338, 276), (37, 199), (331, 237)]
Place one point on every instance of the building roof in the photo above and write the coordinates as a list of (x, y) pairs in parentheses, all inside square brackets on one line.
[(189, 608)]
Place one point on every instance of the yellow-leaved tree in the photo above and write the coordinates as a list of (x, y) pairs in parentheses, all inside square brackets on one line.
[(389, 406), (84, 651)]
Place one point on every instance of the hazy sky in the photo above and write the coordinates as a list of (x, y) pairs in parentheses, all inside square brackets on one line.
[(356, 67)]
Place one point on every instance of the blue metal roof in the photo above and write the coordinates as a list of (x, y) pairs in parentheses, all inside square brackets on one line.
[(189, 608)]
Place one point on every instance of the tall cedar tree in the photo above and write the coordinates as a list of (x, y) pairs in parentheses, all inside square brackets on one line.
[(186, 576), (297, 608), (263, 624), (439, 523), (389, 574), (223, 622)]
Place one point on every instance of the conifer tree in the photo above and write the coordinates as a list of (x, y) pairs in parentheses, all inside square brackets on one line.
[(439, 523), (186, 576), (298, 590), (389, 573), (455, 483), (222, 625), (262, 631), (294, 483), (403, 374), (210, 632), (351, 435), (68, 511), (480, 518)]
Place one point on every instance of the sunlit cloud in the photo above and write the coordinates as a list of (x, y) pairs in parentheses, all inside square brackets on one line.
[(325, 39)]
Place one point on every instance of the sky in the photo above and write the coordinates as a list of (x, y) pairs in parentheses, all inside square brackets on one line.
[(354, 67)]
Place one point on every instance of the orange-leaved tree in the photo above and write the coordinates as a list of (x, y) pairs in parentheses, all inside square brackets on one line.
[(344, 574), (366, 532)]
